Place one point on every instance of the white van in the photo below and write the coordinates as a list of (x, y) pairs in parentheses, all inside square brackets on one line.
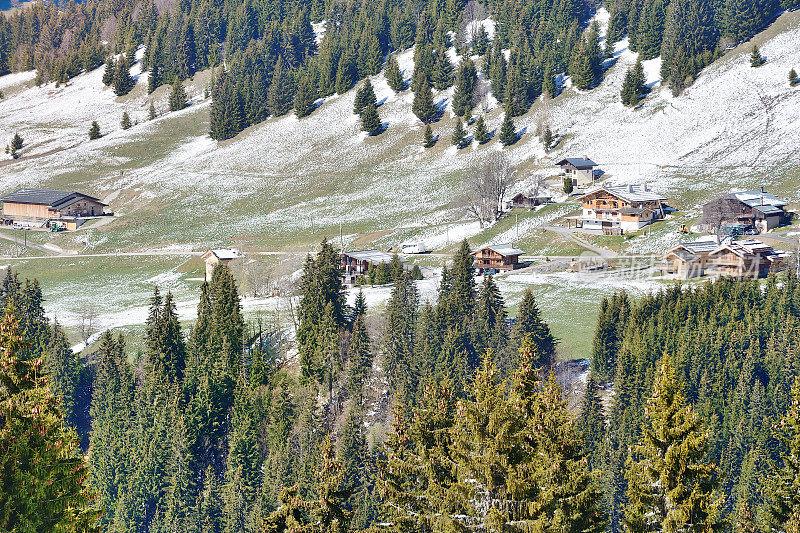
[(413, 248)]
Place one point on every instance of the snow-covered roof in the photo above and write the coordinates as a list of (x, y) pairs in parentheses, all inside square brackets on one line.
[(699, 247), (629, 193), (372, 256), (224, 254), (759, 198), (506, 249)]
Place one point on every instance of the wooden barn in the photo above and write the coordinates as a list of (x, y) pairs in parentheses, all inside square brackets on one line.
[(759, 209), (39, 206), (529, 200), (738, 259), (497, 258)]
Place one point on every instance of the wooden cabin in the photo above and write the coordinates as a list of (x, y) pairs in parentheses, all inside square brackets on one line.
[(688, 259), (357, 263), (39, 206), (616, 210), (745, 259), (579, 169), (529, 201), (497, 258), (758, 209), (219, 257)]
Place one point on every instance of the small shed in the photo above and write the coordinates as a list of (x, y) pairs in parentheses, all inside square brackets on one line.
[(580, 169), (496, 258), (219, 257), (529, 200)]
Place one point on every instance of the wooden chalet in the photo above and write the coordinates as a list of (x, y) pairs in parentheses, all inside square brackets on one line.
[(579, 169), (615, 210), (42, 206), (529, 201), (738, 259), (497, 258), (219, 257), (357, 263), (757, 209)]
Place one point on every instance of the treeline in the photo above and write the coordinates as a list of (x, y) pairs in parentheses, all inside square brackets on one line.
[(735, 352), (688, 34)]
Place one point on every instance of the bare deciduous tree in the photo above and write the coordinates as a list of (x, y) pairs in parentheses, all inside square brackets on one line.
[(485, 186), (88, 320)]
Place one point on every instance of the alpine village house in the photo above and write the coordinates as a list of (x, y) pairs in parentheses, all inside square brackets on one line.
[(45, 207), (737, 259), (579, 169), (613, 210), (496, 258), (756, 209)]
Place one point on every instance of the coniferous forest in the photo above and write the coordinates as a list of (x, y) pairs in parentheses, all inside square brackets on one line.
[(690, 419), (269, 61)]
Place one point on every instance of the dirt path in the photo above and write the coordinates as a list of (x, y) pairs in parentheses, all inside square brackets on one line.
[(568, 233)]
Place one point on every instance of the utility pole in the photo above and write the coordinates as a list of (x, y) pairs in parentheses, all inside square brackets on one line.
[(341, 237)]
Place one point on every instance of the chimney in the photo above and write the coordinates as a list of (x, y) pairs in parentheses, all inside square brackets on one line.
[(586, 158), (762, 195)]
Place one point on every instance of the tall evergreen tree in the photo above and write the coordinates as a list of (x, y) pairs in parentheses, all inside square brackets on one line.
[(394, 77), (508, 132), (466, 80), (177, 98), (428, 140), (365, 96), (784, 483), (671, 487), (459, 138), (423, 103), (370, 120), (481, 133)]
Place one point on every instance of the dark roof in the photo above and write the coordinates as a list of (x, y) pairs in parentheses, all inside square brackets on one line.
[(48, 197), (581, 163)]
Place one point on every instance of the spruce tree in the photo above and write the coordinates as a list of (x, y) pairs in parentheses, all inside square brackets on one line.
[(428, 140), (671, 486), (756, 59), (151, 114), (370, 120), (280, 95), (459, 138), (94, 131), (481, 133), (783, 496), (304, 97), (547, 138), (16, 145), (508, 132), (41, 466), (592, 421), (123, 82), (393, 75), (108, 73), (365, 96), (400, 333), (126, 123), (359, 359), (423, 103), (792, 78), (177, 98), (465, 88), (530, 325)]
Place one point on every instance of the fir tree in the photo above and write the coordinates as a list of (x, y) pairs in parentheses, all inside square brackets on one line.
[(547, 138), (41, 466), (94, 131), (465, 88), (792, 78), (151, 114), (592, 421), (108, 73), (428, 140), (508, 132), (365, 96), (784, 483), (756, 59), (123, 82), (633, 88), (280, 95), (126, 123), (359, 359), (227, 113), (346, 74), (304, 97), (530, 325), (481, 133), (401, 325), (16, 145), (393, 75), (423, 103), (670, 486), (459, 138), (370, 120), (177, 98)]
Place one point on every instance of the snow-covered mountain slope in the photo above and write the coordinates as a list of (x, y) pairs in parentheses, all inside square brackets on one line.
[(287, 177)]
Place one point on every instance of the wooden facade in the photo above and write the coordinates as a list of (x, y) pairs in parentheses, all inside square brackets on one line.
[(497, 258), (738, 259), (757, 209), (616, 210), (355, 264), (42, 205)]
